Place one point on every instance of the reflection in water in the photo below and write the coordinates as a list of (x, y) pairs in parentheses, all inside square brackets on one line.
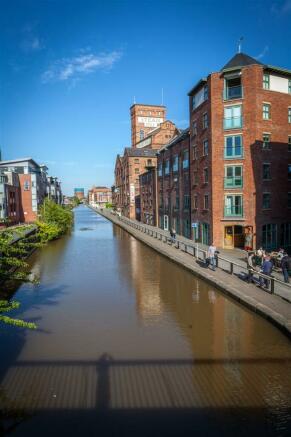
[(122, 330)]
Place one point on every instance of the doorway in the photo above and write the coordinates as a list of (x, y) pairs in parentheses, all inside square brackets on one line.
[(234, 236)]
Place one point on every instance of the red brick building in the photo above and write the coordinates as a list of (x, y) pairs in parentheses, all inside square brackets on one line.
[(99, 197), (240, 137), (150, 131), (144, 119), (148, 196), (173, 185)]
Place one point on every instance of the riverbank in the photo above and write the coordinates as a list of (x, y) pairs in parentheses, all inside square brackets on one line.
[(272, 307)]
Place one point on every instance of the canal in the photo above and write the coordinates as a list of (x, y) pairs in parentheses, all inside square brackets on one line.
[(130, 344)]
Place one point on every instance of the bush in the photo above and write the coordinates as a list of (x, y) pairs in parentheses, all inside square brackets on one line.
[(55, 220)]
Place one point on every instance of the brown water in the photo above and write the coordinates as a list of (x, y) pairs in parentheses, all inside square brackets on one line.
[(130, 344)]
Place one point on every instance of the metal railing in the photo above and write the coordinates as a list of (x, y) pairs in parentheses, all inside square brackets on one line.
[(232, 122), (269, 283), (233, 92)]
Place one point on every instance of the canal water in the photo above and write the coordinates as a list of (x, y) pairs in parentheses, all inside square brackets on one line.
[(130, 344)]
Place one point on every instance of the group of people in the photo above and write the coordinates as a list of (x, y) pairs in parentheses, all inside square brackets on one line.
[(263, 261), (258, 260)]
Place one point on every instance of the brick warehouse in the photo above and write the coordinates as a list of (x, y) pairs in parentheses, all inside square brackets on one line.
[(149, 132), (173, 185), (240, 119)]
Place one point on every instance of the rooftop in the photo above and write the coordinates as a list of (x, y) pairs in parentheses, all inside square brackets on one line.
[(182, 136), (130, 151), (240, 60), (15, 161)]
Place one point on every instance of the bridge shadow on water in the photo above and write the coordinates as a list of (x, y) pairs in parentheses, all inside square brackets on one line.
[(108, 397)]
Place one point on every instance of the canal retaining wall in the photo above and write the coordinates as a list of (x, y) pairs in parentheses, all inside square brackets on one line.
[(270, 306)]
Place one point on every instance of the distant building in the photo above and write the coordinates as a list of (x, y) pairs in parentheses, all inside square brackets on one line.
[(79, 193), (149, 131), (54, 191), (31, 178), (99, 197)]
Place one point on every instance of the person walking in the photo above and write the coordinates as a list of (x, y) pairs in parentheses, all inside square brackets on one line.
[(286, 266), (173, 235), (267, 267), (211, 256), (250, 265)]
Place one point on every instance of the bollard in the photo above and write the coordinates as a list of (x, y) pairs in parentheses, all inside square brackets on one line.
[(272, 285), (231, 269)]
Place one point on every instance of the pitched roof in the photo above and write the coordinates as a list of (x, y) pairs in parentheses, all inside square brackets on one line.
[(240, 60), (130, 151), (182, 136)]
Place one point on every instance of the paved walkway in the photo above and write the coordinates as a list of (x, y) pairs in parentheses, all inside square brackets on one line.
[(271, 306)]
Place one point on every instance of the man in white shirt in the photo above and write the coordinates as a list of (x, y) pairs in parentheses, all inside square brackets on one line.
[(211, 256)]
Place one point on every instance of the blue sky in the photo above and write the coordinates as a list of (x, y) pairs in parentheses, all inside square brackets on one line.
[(69, 70)]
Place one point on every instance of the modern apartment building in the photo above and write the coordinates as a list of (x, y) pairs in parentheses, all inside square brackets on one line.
[(32, 180), (240, 152), (98, 197), (10, 199)]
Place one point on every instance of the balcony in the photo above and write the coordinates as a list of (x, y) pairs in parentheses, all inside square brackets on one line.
[(233, 211), (233, 182), (233, 92), (233, 122)]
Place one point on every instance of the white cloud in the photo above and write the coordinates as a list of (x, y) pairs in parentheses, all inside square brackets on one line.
[(263, 53), (74, 68)]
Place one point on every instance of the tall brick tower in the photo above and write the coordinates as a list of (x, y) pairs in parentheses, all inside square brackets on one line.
[(145, 118)]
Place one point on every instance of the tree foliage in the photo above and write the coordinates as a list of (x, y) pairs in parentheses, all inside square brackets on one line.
[(55, 220)]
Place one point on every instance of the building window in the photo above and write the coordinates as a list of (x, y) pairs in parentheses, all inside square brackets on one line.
[(194, 128), (205, 147), (167, 167), (136, 170), (289, 143), (205, 120), (289, 115), (233, 117), (160, 170), (206, 201), (266, 200), (26, 186), (233, 205), (205, 175), (185, 159), (141, 134), (289, 86), (289, 172), (266, 142), (193, 103), (266, 111), (196, 201), (289, 200), (206, 92), (176, 163), (233, 176), (267, 171), (266, 81), (285, 238), (195, 177), (269, 236), (186, 201), (233, 146), (136, 161), (195, 152)]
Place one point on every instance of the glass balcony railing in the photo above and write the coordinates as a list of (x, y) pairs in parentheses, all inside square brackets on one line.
[(233, 211), (233, 182), (233, 92), (233, 122)]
